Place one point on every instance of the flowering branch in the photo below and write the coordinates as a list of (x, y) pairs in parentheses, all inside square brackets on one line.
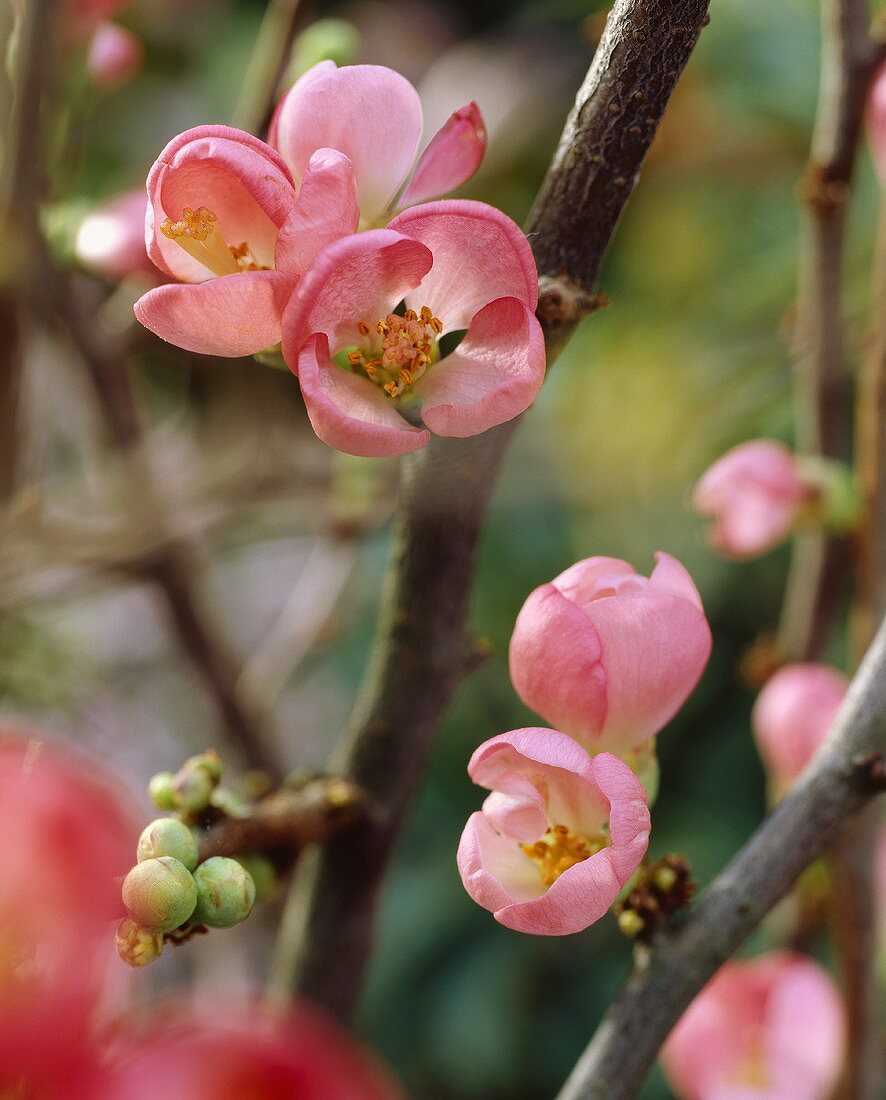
[(843, 779), (422, 652)]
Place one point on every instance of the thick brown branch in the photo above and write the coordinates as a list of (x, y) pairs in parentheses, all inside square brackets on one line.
[(843, 779), (419, 657)]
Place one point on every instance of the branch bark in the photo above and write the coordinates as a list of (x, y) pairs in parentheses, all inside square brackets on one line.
[(842, 780), (421, 652)]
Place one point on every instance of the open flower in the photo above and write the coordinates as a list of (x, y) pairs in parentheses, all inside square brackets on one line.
[(559, 836), (373, 115), (374, 381), (754, 494), (769, 1029), (792, 716), (609, 656), (223, 220)]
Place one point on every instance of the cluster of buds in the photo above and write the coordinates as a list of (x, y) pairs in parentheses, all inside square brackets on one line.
[(170, 895), (659, 890)]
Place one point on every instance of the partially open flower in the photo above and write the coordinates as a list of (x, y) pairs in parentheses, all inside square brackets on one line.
[(137, 946), (559, 836), (115, 54), (792, 716), (768, 1029), (373, 115), (159, 894), (609, 656), (754, 494), (375, 382), (225, 893)]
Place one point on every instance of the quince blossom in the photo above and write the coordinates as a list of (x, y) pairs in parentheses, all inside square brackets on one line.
[(560, 835)]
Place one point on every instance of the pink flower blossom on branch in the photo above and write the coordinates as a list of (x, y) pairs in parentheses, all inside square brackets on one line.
[(768, 1029), (111, 239), (609, 656), (115, 54), (754, 495), (792, 716), (373, 115), (558, 837), (373, 381)]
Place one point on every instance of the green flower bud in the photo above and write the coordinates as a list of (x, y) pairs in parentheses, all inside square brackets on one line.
[(209, 762), (225, 893), (159, 894), (137, 946), (167, 836), (160, 791), (263, 874), (192, 789)]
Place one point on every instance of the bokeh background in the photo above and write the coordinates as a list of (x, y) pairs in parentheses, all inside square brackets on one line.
[(691, 357)]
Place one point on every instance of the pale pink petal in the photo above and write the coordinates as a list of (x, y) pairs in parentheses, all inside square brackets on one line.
[(111, 239), (228, 316), (358, 278), (325, 210), (494, 871), (368, 112), (593, 578), (320, 69), (751, 524), (517, 809), (629, 821), (670, 578), (348, 412), (453, 155), (479, 255), (493, 375)]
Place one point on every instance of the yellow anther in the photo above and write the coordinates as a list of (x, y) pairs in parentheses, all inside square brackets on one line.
[(355, 357), (197, 224), (559, 849), (391, 389), (363, 328), (382, 328), (199, 234), (425, 316), (436, 324), (410, 315)]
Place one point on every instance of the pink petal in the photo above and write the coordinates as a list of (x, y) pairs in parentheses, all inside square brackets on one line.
[(111, 239), (228, 316), (368, 112), (670, 578), (453, 155), (357, 278), (629, 821), (517, 809), (493, 375), (320, 69), (494, 871), (479, 255), (593, 578), (325, 210), (348, 412)]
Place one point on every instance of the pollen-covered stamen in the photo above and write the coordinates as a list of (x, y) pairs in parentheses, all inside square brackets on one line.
[(403, 351), (198, 233), (559, 849)]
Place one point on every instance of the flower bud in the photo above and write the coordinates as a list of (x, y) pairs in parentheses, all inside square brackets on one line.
[(137, 946), (263, 875), (167, 836), (192, 788), (208, 762), (115, 54), (160, 791), (225, 893), (159, 894)]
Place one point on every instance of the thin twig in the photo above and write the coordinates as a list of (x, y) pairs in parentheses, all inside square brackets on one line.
[(267, 65), (421, 652), (849, 770)]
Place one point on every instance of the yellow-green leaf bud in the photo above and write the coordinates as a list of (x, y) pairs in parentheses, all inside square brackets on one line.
[(167, 836), (159, 894), (225, 893)]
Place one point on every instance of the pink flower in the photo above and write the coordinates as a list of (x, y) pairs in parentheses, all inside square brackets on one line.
[(754, 494), (373, 115), (373, 381), (559, 836), (111, 239), (224, 221), (876, 118), (769, 1029), (792, 716), (609, 656), (115, 54)]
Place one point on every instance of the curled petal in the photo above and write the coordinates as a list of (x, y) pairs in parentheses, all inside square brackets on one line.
[(453, 155), (671, 578), (494, 871), (325, 210)]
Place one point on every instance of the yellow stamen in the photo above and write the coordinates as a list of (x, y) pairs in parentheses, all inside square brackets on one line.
[(407, 348), (559, 849), (198, 233), (363, 328)]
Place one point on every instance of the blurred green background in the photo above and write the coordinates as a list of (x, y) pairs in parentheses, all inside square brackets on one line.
[(690, 358)]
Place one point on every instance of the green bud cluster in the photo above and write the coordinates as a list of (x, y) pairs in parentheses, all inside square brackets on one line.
[(191, 789)]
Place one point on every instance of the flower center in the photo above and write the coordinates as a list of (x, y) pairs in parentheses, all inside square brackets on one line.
[(199, 235), (753, 1072), (559, 849), (397, 350)]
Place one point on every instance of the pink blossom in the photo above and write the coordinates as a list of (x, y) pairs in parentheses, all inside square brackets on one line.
[(224, 221), (559, 836), (609, 656), (768, 1029), (754, 494), (793, 714), (373, 115), (111, 239), (372, 381), (115, 54), (876, 119)]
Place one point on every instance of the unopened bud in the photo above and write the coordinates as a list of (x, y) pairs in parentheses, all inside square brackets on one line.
[(262, 873), (631, 923), (167, 836), (159, 894), (137, 946), (229, 802), (192, 788), (160, 791), (663, 878), (225, 893), (209, 762)]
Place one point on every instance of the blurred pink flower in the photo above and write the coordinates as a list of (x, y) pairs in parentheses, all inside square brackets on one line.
[(223, 219), (559, 836), (111, 239), (609, 656), (373, 115), (769, 1029), (754, 494), (792, 716), (458, 265), (876, 119), (115, 54)]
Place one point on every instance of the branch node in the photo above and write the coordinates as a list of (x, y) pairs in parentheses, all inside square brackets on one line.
[(563, 302)]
